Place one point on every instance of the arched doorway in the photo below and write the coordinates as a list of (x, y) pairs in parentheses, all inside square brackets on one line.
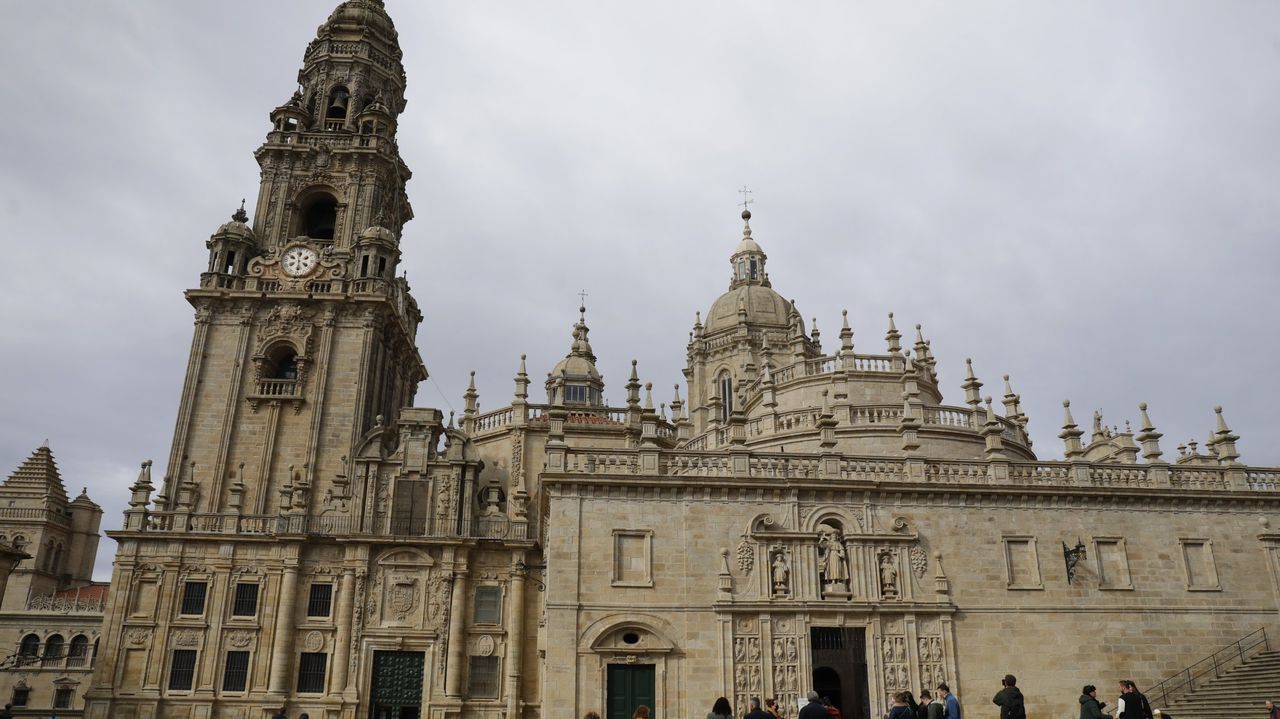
[(826, 682)]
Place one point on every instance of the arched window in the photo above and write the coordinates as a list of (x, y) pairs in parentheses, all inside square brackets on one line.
[(339, 98), (282, 363), (19, 542), (726, 396), (29, 649), (53, 647), (320, 216), (78, 652)]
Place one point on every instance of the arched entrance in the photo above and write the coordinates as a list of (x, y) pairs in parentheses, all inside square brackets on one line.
[(826, 682)]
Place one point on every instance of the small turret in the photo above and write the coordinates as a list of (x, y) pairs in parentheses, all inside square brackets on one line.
[(1071, 434), (846, 333), (575, 380), (893, 337), (1149, 437), (1224, 441)]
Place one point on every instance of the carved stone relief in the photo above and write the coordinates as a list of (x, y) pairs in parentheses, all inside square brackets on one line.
[(888, 571), (747, 669), (746, 553)]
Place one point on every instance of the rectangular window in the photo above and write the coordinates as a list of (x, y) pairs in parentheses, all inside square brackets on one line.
[(62, 698), (632, 558), (193, 594), (245, 603), (484, 677), (321, 600), (311, 672), (1112, 562), (1022, 563), (182, 669), (21, 697), (1197, 561), (575, 393), (236, 674), (488, 609)]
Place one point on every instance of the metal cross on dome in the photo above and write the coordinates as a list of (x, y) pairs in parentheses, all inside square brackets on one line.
[(745, 200)]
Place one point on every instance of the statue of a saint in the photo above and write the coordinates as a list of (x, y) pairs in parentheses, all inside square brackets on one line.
[(781, 573), (888, 576), (831, 561)]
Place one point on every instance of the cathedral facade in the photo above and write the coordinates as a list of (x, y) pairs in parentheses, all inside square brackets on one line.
[(800, 519)]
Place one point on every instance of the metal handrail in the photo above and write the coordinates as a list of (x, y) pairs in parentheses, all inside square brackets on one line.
[(1185, 679)]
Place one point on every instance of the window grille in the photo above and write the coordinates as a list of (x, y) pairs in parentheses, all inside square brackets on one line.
[(488, 608), (245, 603), (484, 677), (236, 674), (311, 672), (182, 669), (193, 595), (321, 600)]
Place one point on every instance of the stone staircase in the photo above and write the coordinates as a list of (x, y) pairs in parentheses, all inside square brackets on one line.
[(1238, 692)]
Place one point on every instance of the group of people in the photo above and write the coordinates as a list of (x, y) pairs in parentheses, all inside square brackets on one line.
[(943, 705), (1132, 704)]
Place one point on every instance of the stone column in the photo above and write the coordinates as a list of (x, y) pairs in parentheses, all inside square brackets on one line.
[(342, 638), (457, 623), (515, 644), (282, 649)]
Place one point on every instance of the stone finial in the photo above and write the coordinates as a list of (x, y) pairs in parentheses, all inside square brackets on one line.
[(648, 396), (846, 332), (633, 387), (922, 349), (972, 387), (1071, 434), (893, 337), (1148, 437), (991, 432), (814, 334), (522, 381), (471, 396), (1224, 441), (240, 215), (1013, 404)]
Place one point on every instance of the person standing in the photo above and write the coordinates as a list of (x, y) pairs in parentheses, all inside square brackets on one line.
[(1090, 707), (1273, 711), (1009, 699), (814, 709), (756, 712), (771, 706), (7, 713), (1133, 704), (931, 707), (721, 710), (900, 708), (950, 704)]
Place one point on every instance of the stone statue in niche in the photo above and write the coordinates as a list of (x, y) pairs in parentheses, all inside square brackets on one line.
[(832, 564), (739, 650), (781, 573), (888, 576)]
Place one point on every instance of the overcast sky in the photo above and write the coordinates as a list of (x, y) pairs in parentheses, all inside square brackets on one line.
[(1082, 195)]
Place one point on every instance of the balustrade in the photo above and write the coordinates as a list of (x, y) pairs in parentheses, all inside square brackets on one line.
[(278, 387)]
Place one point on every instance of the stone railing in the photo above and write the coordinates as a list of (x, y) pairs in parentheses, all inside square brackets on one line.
[(861, 417), (94, 603), (325, 525), (682, 463), (500, 420), (34, 514)]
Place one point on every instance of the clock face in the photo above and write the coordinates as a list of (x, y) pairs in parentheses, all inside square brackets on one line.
[(298, 261)]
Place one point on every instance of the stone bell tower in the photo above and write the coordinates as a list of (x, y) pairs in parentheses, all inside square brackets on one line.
[(304, 335)]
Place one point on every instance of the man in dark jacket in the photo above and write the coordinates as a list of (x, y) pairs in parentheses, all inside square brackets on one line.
[(756, 712), (280, 714), (1090, 707), (814, 709), (1009, 699)]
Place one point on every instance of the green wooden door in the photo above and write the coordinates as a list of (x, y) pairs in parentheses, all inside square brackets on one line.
[(397, 685), (629, 686)]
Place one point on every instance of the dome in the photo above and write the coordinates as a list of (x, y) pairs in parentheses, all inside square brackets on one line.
[(377, 233), (238, 225), (763, 306), (748, 245), (575, 366), (367, 13)]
